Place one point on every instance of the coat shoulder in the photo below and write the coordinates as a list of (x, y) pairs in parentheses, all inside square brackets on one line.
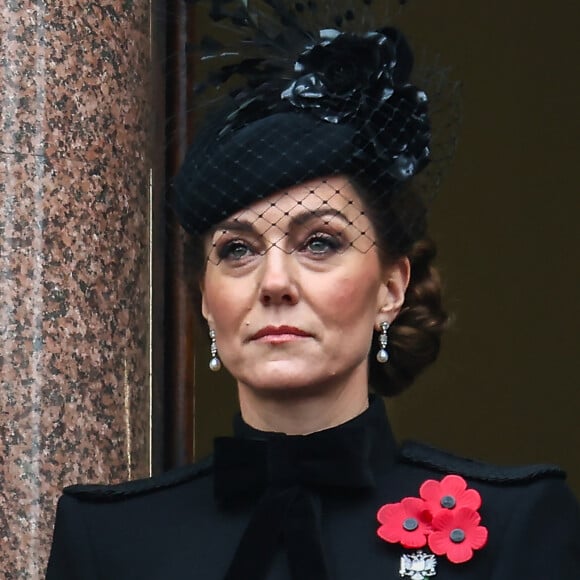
[(425, 456), (137, 487)]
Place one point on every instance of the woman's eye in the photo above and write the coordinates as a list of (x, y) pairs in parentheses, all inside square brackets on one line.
[(234, 251), (322, 244)]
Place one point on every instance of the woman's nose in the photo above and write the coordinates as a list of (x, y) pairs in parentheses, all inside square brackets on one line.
[(278, 284)]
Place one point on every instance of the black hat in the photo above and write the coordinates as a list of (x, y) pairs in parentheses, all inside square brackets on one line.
[(346, 105)]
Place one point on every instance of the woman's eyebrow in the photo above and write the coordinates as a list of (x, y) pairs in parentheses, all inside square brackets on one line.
[(236, 225), (305, 216), (300, 219)]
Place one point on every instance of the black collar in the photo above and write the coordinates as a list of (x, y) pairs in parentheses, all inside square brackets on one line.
[(278, 474)]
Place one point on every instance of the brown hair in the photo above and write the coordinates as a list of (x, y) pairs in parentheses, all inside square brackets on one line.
[(415, 335), (399, 218)]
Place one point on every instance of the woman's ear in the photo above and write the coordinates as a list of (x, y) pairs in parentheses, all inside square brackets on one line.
[(396, 278), (204, 307)]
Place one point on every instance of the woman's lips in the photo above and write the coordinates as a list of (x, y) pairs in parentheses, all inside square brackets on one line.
[(278, 334)]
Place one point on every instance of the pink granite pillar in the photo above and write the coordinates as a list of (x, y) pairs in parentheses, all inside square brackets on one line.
[(74, 259)]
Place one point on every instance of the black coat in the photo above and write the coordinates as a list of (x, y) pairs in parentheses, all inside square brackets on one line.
[(177, 526)]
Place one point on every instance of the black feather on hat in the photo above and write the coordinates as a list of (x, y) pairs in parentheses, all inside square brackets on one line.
[(310, 104)]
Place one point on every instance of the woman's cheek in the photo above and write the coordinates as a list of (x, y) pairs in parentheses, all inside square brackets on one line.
[(348, 298)]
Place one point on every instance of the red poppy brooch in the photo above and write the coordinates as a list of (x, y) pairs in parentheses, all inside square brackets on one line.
[(445, 518)]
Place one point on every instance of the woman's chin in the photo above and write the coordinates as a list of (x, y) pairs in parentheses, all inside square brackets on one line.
[(284, 378)]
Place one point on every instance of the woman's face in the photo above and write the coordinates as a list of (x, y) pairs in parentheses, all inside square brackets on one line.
[(294, 286)]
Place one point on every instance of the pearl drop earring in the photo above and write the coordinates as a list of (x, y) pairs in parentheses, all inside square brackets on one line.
[(382, 354), (215, 364)]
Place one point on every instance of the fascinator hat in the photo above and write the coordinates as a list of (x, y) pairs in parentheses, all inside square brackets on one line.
[(299, 102)]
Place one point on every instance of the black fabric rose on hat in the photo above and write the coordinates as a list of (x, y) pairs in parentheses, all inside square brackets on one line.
[(338, 72), (364, 80)]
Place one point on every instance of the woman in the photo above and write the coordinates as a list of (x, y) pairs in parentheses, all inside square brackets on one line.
[(316, 282)]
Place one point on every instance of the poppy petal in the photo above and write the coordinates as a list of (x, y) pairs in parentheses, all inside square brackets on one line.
[(478, 537), (470, 498), (414, 540), (453, 485), (438, 542), (429, 490), (459, 553)]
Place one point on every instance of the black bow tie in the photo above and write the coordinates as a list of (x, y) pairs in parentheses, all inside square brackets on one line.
[(282, 475), (245, 468)]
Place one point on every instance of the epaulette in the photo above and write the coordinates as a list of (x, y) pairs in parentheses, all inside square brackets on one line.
[(432, 458), (120, 491)]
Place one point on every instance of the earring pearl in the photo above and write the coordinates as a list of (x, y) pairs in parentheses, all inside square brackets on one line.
[(382, 354), (215, 364)]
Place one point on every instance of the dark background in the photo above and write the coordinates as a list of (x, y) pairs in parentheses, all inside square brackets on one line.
[(506, 387)]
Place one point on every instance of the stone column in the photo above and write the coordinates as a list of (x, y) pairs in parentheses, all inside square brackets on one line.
[(74, 259)]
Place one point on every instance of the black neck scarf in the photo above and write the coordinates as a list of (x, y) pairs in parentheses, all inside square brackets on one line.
[(283, 475)]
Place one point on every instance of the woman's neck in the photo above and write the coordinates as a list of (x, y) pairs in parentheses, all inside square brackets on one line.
[(300, 414)]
